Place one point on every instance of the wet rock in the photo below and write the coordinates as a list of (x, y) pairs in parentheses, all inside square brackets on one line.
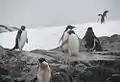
[(94, 74), (3, 71), (60, 75), (86, 67), (113, 78), (2, 52)]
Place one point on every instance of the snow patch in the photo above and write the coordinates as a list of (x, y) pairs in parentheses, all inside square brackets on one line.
[(48, 37)]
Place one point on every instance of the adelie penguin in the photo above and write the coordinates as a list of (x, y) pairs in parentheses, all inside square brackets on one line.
[(102, 19), (44, 71), (21, 38), (73, 43), (64, 38)]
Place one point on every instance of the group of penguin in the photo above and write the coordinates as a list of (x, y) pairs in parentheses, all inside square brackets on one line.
[(44, 71), (69, 41)]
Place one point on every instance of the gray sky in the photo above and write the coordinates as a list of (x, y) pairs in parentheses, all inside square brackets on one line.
[(35, 13)]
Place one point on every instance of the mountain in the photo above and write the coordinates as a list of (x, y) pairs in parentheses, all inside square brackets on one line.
[(4, 28), (48, 37)]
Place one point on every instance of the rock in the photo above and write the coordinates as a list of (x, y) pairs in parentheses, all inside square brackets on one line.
[(86, 67), (3, 71), (111, 43), (60, 75), (2, 52), (113, 78)]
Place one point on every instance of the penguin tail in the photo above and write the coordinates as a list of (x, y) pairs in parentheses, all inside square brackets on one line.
[(13, 48)]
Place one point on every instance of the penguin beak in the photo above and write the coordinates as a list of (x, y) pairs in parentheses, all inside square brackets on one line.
[(73, 27)]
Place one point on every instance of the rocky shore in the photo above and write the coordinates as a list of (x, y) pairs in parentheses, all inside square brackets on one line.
[(102, 66)]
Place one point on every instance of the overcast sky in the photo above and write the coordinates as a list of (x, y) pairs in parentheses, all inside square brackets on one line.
[(35, 13)]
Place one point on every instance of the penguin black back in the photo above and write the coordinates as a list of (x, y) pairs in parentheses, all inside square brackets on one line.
[(89, 33), (89, 37)]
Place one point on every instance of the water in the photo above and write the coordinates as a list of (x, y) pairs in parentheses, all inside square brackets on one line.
[(89, 56)]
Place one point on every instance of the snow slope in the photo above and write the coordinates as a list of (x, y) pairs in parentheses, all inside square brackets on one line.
[(4, 28), (48, 37)]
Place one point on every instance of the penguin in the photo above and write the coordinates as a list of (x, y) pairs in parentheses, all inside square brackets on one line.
[(21, 38), (103, 16), (44, 71), (92, 42), (73, 43), (64, 38)]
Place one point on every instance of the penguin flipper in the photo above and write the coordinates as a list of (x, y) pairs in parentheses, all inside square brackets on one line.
[(64, 42), (27, 41), (19, 34), (80, 42), (61, 38)]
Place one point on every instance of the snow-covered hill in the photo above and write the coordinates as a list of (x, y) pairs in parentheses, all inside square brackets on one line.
[(48, 37), (4, 28)]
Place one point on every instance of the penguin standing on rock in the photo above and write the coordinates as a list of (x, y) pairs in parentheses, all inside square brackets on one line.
[(21, 38), (73, 43), (44, 72), (92, 42), (64, 38)]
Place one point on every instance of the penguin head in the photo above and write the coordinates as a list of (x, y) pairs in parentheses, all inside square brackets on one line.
[(89, 32), (23, 27), (69, 27), (71, 32), (43, 63), (89, 29), (41, 60)]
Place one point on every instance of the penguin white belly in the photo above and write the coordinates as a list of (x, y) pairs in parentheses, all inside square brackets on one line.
[(65, 37), (40, 76), (44, 75), (22, 39), (73, 43), (47, 76)]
